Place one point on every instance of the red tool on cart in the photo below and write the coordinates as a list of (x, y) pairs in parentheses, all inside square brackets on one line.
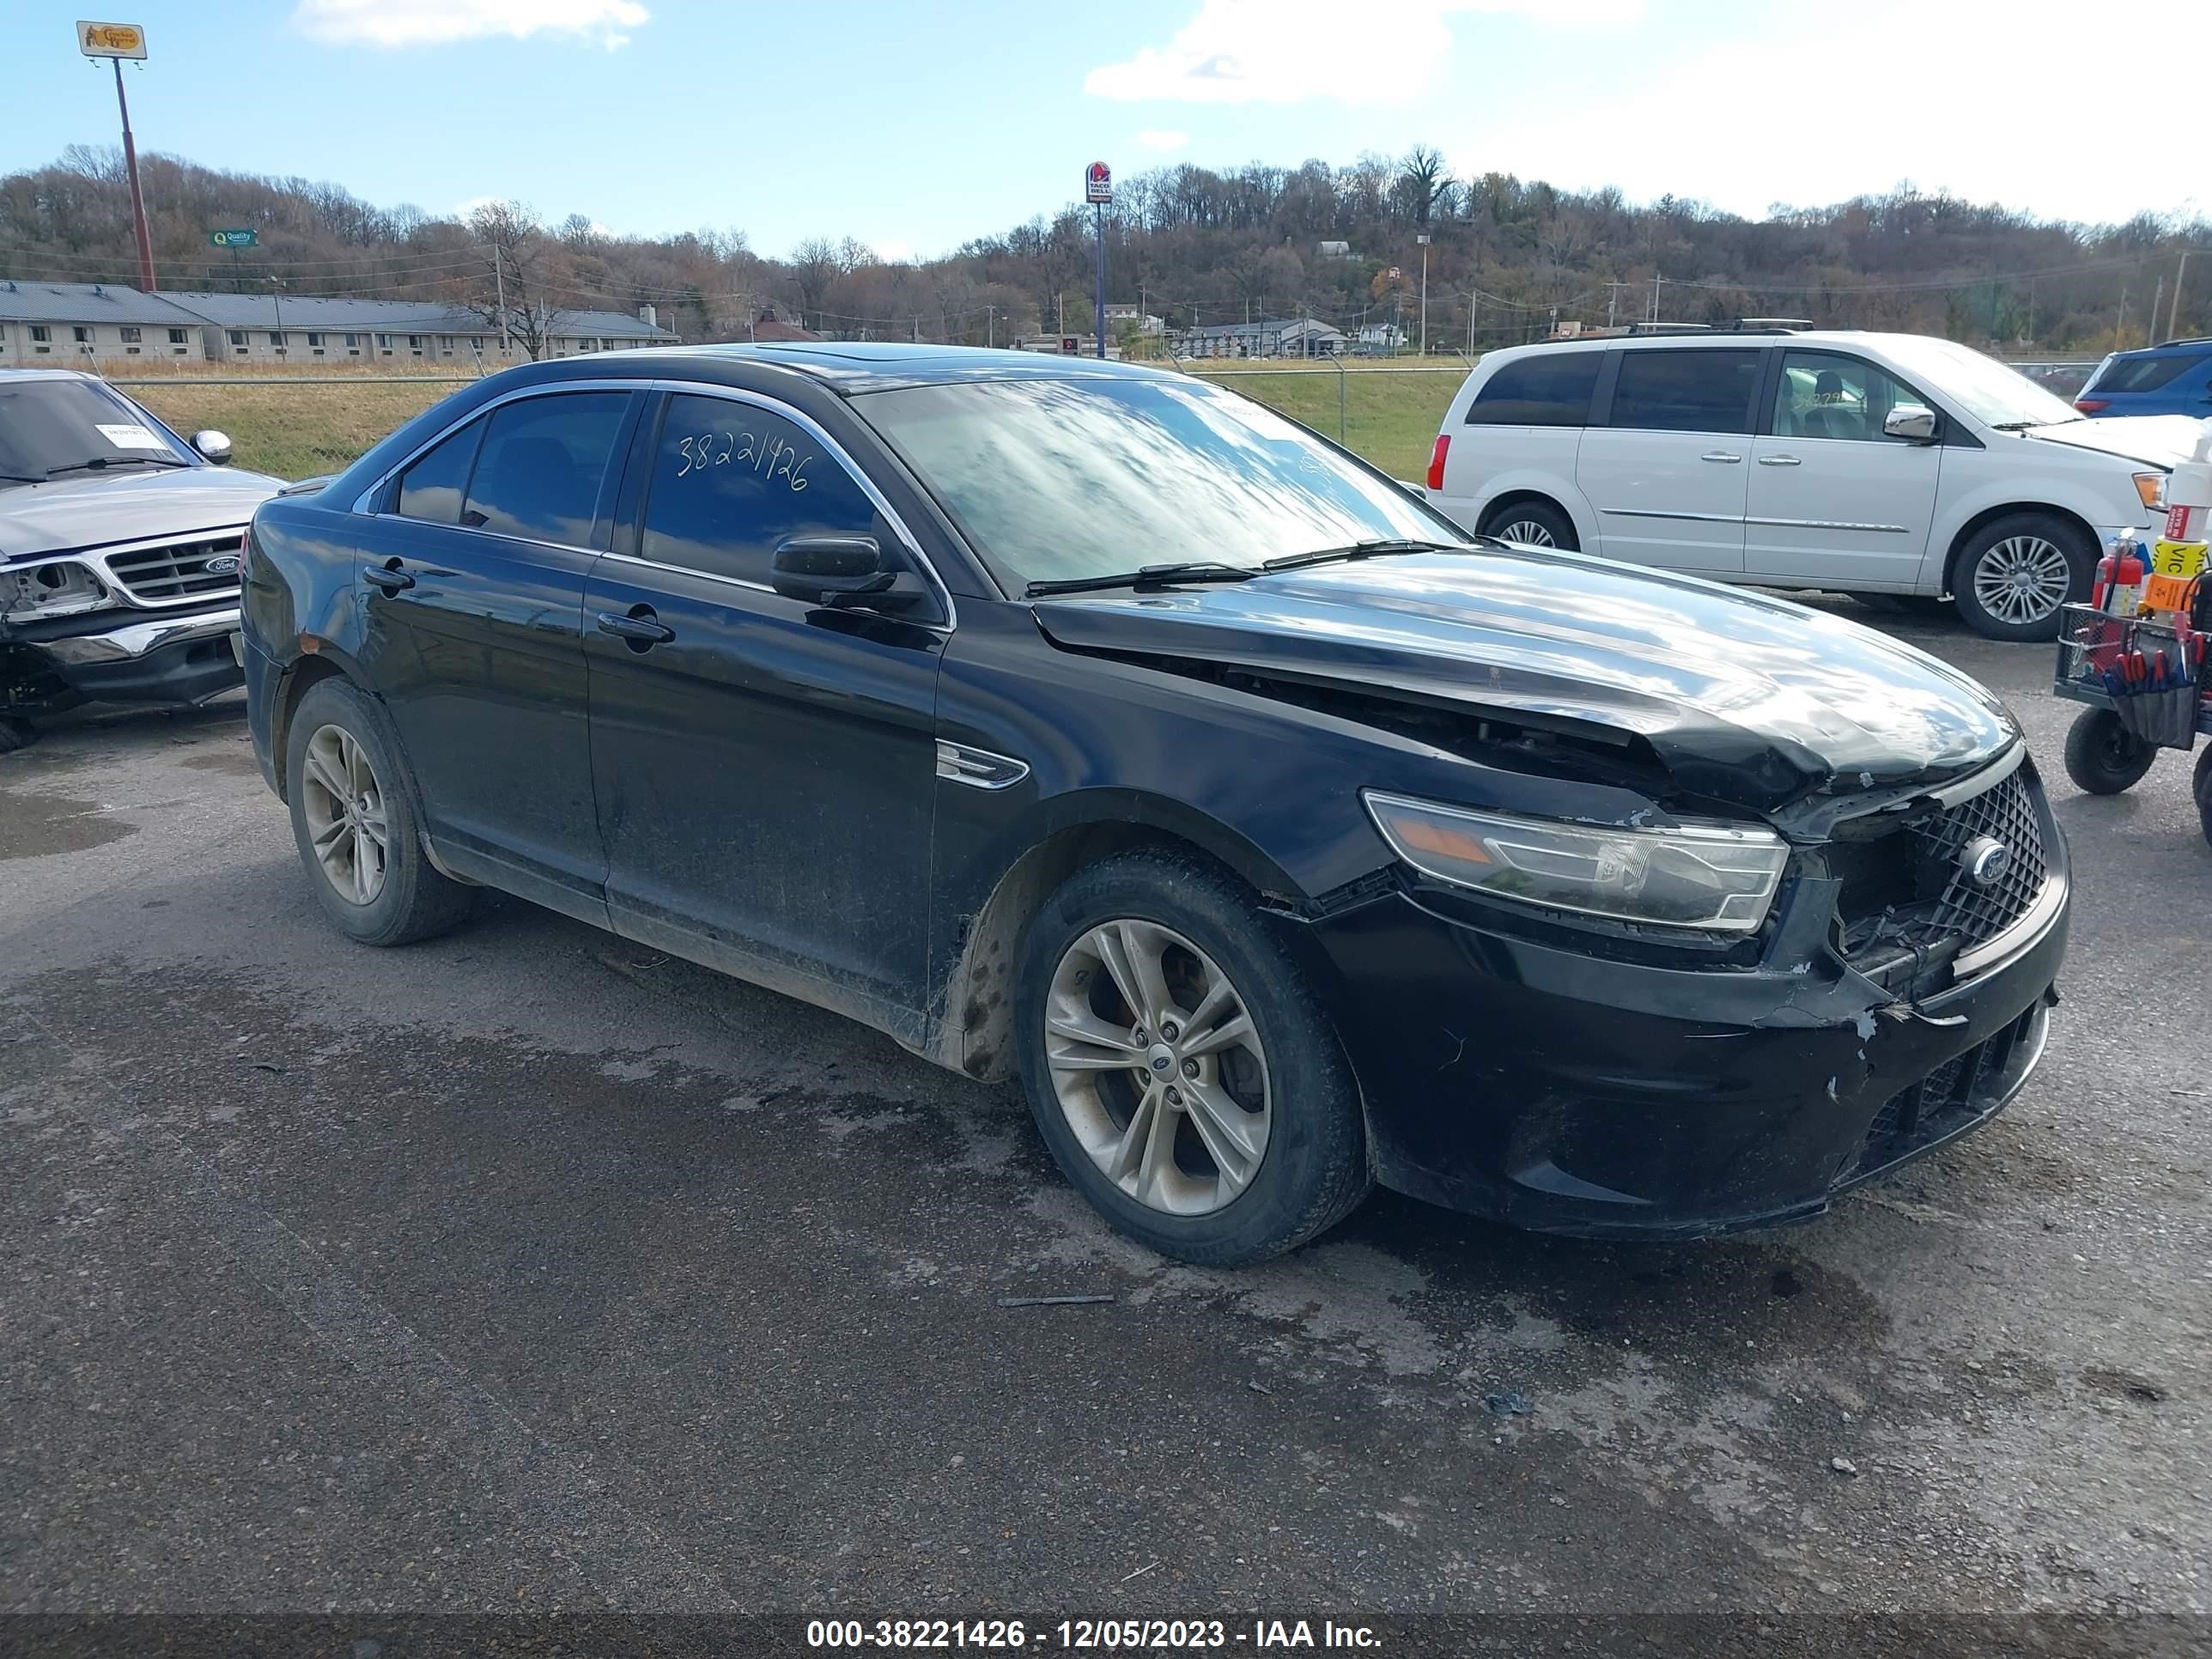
[(2136, 656)]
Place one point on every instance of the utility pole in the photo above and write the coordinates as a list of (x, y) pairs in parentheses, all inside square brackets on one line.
[(1423, 239), (1655, 297), (499, 285), (2174, 315), (2120, 322), (990, 326), (2158, 293), (1612, 300)]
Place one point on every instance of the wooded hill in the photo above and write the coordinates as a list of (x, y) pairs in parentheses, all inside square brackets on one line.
[(1190, 244)]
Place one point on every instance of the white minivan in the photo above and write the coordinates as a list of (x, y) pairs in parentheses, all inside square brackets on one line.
[(1877, 463)]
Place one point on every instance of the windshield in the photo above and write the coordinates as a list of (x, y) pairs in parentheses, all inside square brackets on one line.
[(1982, 387), (49, 427), (1059, 480)]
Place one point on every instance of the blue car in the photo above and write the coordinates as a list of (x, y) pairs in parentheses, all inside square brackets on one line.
[(2172, 379)]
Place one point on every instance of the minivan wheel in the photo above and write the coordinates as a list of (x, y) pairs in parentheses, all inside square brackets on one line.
[(2016, 572), (1181, 1069), (1537, 524), (355, 822), (2201, 784)]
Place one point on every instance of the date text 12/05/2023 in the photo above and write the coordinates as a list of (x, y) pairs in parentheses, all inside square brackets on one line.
[(1078, 1635)]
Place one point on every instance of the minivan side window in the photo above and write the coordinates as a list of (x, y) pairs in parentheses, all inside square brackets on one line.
[(542, 461), (1551, 390), (1821, 395), (1693, 391), (431, 490), (730, 480)]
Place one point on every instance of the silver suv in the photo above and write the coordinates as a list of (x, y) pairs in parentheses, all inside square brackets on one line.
[(119, 551)]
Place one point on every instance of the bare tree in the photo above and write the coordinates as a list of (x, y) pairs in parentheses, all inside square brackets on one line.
[(513, 294), (1423, 181)]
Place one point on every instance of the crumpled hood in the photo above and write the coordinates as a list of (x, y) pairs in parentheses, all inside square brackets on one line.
[(87, 510), (1745, 699), (2154, 439)]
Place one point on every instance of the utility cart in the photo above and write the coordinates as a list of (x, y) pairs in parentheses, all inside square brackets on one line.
[(2142, 680)]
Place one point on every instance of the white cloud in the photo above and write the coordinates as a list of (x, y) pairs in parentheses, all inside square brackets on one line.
[(436, 22), (1269, 51), (1162, 138), (893, 249), (1963, 111)]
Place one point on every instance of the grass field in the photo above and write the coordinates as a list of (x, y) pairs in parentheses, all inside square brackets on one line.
[(295, 424), (292, 428), (1390, 413)]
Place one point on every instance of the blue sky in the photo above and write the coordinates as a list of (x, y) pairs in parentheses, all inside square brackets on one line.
[(896, 123)]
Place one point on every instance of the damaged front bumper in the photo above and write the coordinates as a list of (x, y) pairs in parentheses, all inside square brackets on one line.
[(162, 659), (1539, 1084)]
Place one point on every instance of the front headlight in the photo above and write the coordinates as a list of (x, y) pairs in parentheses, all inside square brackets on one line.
[(62, 589), (2151, 487), (1714, 877)]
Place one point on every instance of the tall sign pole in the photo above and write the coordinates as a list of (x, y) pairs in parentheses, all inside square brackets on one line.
[(115, 42), (1424, 240), (1098, 190)]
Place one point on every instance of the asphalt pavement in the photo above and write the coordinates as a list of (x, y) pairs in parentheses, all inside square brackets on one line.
[(529, 1270)]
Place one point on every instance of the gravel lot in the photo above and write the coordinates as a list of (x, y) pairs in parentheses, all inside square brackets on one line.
[(530, 1270)]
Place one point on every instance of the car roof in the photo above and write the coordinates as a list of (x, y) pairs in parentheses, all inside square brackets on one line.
[(860, 366), (2192, 345), (46, 374)]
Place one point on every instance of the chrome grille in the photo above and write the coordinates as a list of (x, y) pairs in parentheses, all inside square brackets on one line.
[(179, 571), (2005, 813)]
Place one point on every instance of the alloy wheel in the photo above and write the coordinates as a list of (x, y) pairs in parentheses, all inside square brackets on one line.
[(1157, 1067), (345, 806), (1527, 530), (2023, 580)]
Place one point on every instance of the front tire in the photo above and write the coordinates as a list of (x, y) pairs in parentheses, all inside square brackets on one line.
[(358, 825), (1534, 523), (2104, 757), (1181, 1068), (2016, 572)]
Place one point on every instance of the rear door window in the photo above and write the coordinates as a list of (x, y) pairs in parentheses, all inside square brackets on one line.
[(1695, 391), (2142, 374), (730, 480), (433, 487), (1553, 389), (542, 461)]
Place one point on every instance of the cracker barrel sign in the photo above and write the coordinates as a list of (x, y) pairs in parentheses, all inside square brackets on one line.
[(111, 40)]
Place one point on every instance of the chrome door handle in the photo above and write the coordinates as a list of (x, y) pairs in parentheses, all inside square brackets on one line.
[(1720, 455), (1779, 460)]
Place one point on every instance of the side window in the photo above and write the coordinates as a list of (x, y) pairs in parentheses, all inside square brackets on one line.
[(432, 488), (730, 480), (1821, 395), (1553, 389), (1699, 391), (541, 463)]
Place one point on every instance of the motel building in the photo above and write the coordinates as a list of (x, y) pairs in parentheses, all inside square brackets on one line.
[(104, 326)]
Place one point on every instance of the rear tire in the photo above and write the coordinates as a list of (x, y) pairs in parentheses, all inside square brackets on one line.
[(358, 824), (15, 734), (2203, 786), (2017, 571), (1536, 523), (2104, 757), (1268, 1146)]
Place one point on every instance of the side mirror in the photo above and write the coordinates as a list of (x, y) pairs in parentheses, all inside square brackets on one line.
[(212, 445), (830, 569), (1914, 422)]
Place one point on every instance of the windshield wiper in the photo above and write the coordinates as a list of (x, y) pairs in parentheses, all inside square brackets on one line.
[(2022, 426), (1151, 575), (100, 464), (1366, 550), (22, 478)]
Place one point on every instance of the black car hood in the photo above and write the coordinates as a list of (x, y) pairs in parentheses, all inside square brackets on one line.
[(1744, 699)]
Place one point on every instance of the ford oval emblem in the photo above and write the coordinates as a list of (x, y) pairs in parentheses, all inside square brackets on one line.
[(1986, 859), (223, 564)]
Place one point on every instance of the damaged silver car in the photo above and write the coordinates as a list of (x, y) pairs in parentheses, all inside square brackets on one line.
[(120, 550)]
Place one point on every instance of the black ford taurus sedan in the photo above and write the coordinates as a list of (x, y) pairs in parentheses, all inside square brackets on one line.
[(1089, 724)]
